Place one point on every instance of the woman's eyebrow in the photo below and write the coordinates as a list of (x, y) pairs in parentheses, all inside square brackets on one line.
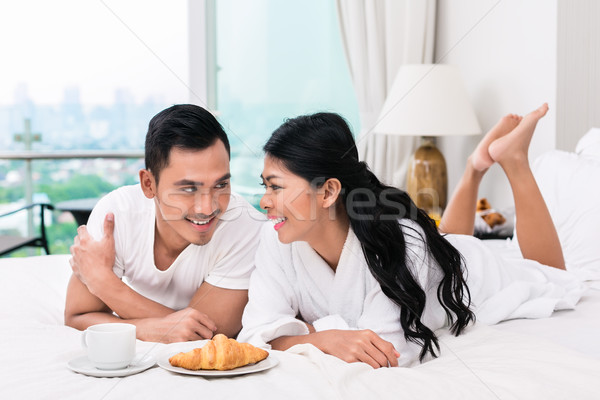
[(268, 178)]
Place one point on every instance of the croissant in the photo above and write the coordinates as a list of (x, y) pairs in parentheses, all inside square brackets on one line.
[(493, 219), (489, 215), (221, 354), (483, 204)]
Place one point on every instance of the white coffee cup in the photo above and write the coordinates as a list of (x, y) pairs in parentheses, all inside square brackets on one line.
[(110, 346)]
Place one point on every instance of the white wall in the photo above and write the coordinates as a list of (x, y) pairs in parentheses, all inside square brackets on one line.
[(578, 70), (506, 51)]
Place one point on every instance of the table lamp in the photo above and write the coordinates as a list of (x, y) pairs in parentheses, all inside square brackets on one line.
[(428, 100)]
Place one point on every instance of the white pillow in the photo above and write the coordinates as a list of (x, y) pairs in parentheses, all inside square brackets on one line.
[(33, 289), (589, 144), (570, 184)]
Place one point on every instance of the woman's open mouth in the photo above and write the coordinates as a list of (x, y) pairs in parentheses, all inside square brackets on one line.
[(277, 222)]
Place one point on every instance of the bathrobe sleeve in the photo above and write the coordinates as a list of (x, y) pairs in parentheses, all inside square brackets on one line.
[(332, 321), (272, 302)]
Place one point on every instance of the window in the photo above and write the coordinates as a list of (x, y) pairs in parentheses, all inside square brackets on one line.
[(90, 74), (276, 60), (87, 75)]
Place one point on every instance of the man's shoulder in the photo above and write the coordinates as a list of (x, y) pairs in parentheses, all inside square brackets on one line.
[(128, 197), (128, 204), (239, 225), (238, 201), (132, 210), (241, 215)]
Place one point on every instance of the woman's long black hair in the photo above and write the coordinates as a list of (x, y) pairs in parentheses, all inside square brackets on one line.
[(320, 146)]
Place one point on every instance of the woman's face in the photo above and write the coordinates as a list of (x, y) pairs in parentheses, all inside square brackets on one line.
[(292, 205)]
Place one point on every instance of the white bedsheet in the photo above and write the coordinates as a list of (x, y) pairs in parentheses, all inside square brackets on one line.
[(551, 358)]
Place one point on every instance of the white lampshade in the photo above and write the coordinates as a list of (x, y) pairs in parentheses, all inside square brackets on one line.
[(427, 100)]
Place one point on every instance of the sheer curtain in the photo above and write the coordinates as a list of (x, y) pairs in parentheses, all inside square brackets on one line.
[(378, 37)]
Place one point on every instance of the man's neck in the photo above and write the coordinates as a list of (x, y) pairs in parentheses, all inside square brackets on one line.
[(165, 250)]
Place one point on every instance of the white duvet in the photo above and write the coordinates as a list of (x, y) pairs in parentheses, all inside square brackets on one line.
[(549, 358)]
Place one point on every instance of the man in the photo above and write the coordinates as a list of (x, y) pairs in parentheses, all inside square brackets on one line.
[(182, 241)]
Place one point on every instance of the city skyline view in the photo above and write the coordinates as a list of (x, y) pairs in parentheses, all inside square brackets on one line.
[(72, 125)]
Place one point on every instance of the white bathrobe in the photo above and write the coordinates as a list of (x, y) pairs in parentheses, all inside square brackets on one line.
[(292, 283)]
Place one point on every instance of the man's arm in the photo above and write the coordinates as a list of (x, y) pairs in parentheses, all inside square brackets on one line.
[(92, 263), (94, 292), (125, 301), (223, 306), (83, 309)]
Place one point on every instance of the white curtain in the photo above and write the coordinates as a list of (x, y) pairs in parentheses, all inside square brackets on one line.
[(378, 37)]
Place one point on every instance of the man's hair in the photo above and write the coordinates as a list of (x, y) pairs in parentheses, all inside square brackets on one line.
[(182, 126)]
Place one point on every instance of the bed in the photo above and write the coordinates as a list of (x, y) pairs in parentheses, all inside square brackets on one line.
[(549, 358)]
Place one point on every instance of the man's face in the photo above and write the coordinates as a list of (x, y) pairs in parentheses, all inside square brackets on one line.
[(191, 195)]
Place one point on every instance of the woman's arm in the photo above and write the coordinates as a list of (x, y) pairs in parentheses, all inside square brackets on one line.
[(348, 345)]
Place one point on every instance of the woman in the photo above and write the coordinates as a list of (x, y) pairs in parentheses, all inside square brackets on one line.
[(354, 268)]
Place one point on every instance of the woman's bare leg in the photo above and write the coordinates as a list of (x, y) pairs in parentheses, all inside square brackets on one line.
[(536, 233), (459, 216)]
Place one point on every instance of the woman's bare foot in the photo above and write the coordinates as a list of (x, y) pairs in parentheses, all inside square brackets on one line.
[(481, 159), (515, 145)]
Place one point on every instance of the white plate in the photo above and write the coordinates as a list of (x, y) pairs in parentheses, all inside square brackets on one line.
[(171, 350), (84, 366)]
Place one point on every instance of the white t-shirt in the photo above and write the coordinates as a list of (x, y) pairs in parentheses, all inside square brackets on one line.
[(227, 261)]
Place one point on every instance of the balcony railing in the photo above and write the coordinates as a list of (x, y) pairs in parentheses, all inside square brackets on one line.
[(38, 155), (28, 156)]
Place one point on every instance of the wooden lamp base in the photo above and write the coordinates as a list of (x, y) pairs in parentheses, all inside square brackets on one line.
[(427, 179)]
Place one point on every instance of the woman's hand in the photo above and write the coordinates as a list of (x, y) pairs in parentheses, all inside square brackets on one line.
[(358, 346), (351, 346)]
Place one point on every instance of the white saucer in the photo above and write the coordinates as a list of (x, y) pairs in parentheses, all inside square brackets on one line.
[(84, 366)]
